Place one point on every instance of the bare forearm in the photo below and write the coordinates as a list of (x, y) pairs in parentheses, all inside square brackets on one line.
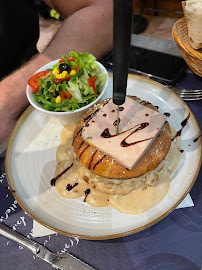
[(88, 29), (12, 89)]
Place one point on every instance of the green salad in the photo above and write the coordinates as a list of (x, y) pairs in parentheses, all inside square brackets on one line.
[(70, 84)]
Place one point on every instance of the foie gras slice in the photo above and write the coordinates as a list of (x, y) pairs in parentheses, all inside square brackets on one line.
[(138, 128)]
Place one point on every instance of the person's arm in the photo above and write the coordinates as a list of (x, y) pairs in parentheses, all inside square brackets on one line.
[(87, 28)]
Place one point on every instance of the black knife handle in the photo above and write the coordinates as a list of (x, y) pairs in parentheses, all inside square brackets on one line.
[(123, 14)]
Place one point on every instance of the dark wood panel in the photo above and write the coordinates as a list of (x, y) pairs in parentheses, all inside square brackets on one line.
[(167, 5)]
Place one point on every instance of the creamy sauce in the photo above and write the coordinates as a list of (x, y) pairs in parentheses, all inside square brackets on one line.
[(132, 196)]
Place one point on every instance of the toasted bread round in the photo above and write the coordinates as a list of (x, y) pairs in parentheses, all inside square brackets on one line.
[(103, 165)]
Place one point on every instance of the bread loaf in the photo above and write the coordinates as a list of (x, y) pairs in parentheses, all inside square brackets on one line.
[(193, 15)]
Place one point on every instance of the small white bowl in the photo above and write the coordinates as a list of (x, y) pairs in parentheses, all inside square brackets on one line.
[(65, 116)]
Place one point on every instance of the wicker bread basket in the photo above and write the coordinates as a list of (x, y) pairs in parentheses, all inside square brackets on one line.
[(192, 57)]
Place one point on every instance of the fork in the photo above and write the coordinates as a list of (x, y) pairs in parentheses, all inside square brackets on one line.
[(185, 94), (188, 94)]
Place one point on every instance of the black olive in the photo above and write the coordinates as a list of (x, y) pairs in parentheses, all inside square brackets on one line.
[(64, 66)]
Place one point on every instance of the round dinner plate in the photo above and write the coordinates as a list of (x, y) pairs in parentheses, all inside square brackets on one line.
[(31, 163)]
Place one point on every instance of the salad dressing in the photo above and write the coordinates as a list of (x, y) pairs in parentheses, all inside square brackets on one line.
[(132, 196)]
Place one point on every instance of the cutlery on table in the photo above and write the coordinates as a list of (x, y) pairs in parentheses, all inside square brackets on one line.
[(187, 94), (123, 14), (62, 261)]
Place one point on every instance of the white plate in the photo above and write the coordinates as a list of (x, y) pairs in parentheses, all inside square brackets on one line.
[(31, 162)]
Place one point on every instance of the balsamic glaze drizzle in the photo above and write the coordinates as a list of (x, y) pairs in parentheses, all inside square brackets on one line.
[(142, 126), (144, 102), (115, 122), (80, 145), (78, 133), (83, 151), (87, 192), (125, 144), (70, 187), (98, 162), (167, 114), (121, 109), (183, 124), (196, 139), (92, 157), (91, 115), (106, 134), (53, 181)]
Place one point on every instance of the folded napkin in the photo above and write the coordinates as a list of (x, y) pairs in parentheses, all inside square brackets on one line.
[(40, 230)]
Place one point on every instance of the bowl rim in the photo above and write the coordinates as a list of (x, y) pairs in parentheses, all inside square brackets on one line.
[(38, 107)]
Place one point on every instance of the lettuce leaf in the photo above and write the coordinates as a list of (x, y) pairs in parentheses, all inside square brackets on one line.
[(74, 90)]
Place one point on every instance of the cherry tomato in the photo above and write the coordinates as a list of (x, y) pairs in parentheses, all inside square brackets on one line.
[(91, 83), (34, 80), (65, 95), (71, 58), (77, 68), (61, 80), (62, 60)]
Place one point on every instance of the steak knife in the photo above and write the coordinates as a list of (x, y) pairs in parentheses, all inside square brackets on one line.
[(122, 27), (62, 261)]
